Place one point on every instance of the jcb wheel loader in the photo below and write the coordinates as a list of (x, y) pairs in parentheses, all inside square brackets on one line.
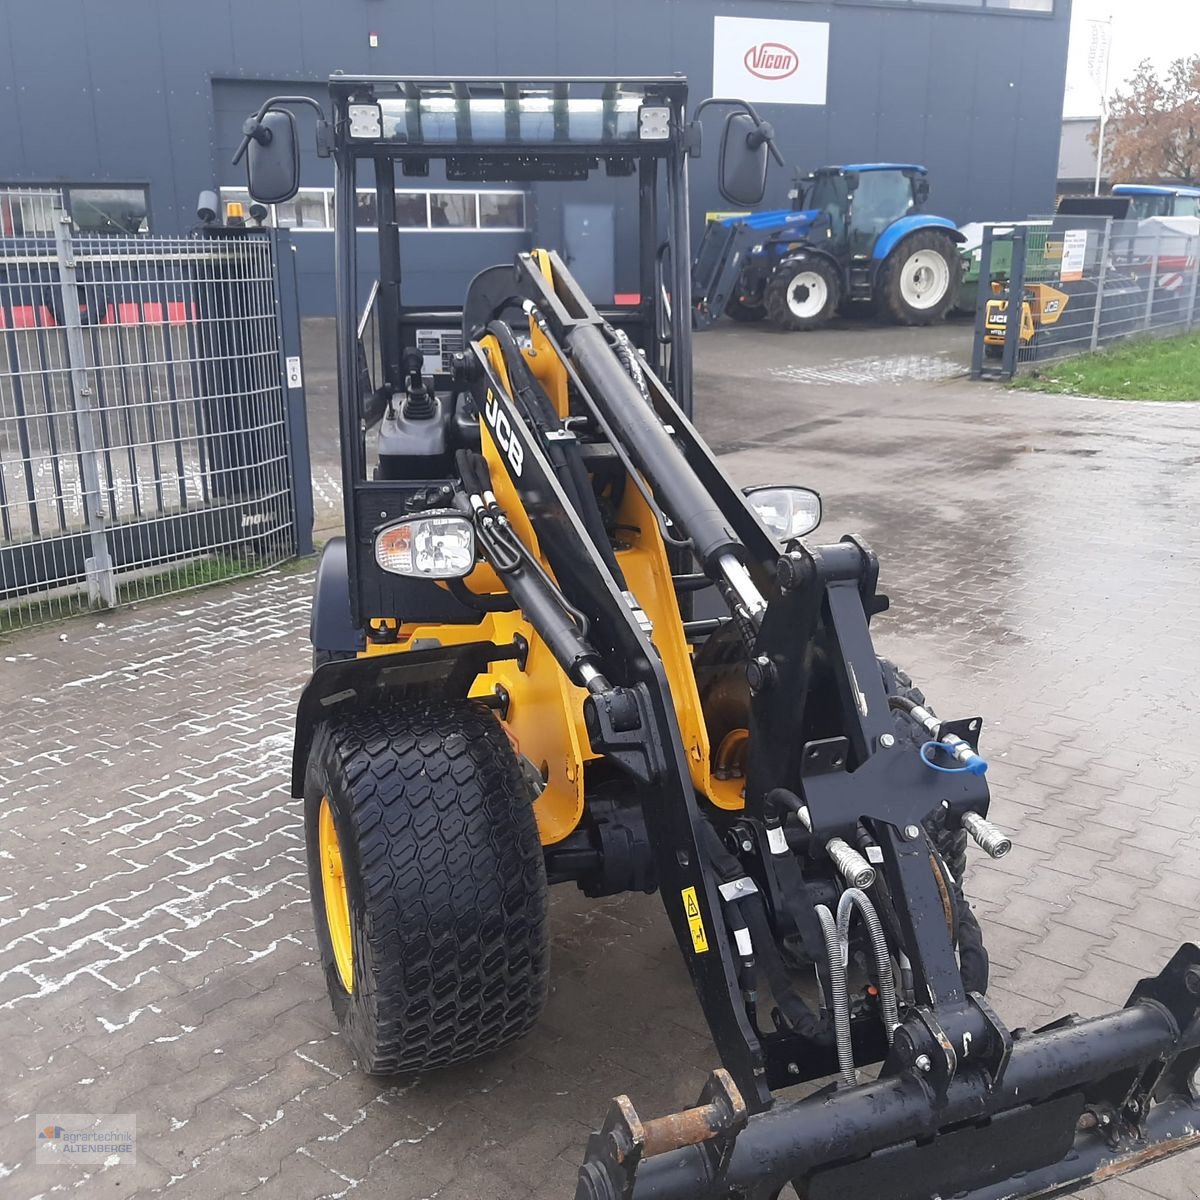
[(515, 687)]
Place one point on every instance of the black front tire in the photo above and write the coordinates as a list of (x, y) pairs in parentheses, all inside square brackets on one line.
[(748, 314), (791, 303), (951, 843), (890, 289), (445, 881)]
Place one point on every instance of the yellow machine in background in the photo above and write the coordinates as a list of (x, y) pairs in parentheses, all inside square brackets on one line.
[(1041, 306)]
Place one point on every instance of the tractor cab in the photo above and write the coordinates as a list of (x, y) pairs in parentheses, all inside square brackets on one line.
[(860, 201), (1159, 200)]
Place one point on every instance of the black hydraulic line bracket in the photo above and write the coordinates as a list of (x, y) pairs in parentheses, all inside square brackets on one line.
[(966, 728)]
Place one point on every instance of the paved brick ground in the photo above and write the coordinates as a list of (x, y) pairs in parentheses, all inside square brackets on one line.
[(156, 953)]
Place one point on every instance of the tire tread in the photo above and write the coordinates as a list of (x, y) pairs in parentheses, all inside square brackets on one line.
[(451, 916), (887, 289)]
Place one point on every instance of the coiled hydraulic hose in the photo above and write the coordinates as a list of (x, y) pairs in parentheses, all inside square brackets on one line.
[(837, 944), (839, 998), (853, 898)]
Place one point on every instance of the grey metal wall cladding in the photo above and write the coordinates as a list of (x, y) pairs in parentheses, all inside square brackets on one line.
[(141, 91)]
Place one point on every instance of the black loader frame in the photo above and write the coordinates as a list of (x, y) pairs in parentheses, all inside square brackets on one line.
[(854, 794), (960, 1097)]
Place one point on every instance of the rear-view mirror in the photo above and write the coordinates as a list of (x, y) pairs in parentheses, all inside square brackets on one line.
[(273, 157), (742, 174)]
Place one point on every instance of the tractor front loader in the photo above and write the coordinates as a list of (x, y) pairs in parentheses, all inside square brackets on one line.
[(513, 688)]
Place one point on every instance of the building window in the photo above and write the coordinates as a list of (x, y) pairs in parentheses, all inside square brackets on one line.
[(25, 216), (501, 210), (121, 210), (108, 209), (412, 210), (366, 215), (305, 210), (1038, 6), (453, 210), (312, 210)]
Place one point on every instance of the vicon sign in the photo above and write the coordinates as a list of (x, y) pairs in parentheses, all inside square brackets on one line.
[(777, 62), (771, 60)]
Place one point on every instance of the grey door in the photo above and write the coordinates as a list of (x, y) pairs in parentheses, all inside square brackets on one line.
[(590, 245)]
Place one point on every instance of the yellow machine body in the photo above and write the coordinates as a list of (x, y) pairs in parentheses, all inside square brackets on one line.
[(1041, 306), (542, 711)]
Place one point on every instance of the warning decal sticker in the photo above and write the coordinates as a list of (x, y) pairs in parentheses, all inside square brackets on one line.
[(691, 906)]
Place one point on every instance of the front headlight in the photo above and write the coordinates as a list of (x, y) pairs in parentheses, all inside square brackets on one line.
[(787, 512), (434, 545)]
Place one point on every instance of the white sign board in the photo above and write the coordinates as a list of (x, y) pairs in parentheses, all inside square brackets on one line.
[(770, 62), (1074, 255)]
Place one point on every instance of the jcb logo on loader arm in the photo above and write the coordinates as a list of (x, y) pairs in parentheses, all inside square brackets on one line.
[(502, 431)]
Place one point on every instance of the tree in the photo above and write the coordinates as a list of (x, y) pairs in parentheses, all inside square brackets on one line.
[(1153, 128)]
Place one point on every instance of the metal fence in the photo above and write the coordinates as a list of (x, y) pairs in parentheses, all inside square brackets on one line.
[(152, 433), (1083, 283)]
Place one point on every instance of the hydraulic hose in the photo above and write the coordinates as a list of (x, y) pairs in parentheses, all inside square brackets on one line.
[(851, 865), (795, 1012), (839, 998), (851, 899), (560, 625), (564, 457), (837, 945), (969, 762)]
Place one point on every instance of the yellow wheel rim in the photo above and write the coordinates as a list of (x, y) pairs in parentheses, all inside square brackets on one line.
[(337, 902)]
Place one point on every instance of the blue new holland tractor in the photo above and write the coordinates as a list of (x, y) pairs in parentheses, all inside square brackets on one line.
[(854, 233)]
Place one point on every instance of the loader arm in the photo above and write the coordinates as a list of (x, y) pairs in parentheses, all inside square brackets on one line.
[(834, 808)]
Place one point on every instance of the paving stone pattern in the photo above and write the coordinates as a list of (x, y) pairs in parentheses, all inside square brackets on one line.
[(156, 947)]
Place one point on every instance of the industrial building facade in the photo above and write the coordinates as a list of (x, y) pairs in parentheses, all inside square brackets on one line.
[(135, 106)]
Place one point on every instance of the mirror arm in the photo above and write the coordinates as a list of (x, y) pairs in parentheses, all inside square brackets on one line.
[(763, 130), (253, 129)]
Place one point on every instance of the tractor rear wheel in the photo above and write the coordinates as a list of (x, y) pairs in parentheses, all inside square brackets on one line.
[(918, 282), (746, 313), (802, 293), (427, 883)]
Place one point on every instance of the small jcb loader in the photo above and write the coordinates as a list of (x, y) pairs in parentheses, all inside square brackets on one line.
[(521, 679), (1042, 306)]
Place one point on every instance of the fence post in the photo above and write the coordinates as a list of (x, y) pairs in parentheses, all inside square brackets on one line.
[(1105, 247), (982, 293), (287, 299), (101, 584), (1015, 308), (1153, 279), (1194, 258)]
